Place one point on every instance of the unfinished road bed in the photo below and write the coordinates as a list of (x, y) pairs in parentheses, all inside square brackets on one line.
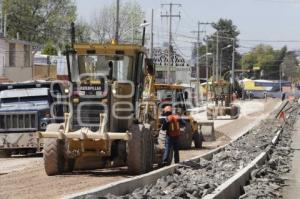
[(23, 180), (199, 178)]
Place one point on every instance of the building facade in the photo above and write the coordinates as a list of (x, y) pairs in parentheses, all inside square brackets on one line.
[(180, 71), (16, 60)]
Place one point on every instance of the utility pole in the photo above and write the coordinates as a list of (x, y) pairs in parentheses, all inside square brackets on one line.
[(217, 57), (213, 68), (1, 19), (198, 61), (206, 60), (151, 37), (233, 60), (117, 22), (170, 15), (5, 25)]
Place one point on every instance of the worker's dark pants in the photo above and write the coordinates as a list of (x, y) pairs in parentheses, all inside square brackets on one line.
[(171, 144)]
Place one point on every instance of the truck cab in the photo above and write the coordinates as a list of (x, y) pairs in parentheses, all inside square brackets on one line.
[(25, 109)]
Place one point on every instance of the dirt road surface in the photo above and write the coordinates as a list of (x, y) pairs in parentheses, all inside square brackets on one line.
[(25, 177)]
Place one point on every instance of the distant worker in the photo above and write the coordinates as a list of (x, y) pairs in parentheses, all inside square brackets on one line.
[(283, 96), (265, 96), (222, 97), (171, 123), (250, 95)]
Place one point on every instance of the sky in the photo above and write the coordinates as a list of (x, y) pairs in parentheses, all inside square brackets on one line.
[(274, 22)]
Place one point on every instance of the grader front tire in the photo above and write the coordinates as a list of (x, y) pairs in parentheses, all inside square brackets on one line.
[(54, 156), (53, 153)]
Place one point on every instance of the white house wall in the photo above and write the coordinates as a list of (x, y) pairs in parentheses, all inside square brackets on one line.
[(3, 56)]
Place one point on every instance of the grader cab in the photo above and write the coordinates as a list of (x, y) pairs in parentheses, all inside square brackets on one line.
[(102, 128)]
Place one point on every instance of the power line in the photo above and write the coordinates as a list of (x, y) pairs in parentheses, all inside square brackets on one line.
[(271, 41), (279, 1)]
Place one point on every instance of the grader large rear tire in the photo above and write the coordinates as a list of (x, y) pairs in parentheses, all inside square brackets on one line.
[(140, 150), (186, 137), (54, 150)]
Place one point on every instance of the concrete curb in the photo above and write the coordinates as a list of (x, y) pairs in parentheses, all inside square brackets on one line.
[(230, 186), (128, 185), (125, 186)]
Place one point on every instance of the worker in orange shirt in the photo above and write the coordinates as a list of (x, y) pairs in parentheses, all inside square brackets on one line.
[(171, 123)]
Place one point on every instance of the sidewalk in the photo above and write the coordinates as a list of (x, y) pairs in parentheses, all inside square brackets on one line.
[(292, 190)]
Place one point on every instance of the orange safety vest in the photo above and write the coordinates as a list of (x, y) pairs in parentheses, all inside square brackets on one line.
[(173, 127)]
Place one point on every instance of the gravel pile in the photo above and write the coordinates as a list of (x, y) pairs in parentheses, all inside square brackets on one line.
[(267, 180), (197, 179)]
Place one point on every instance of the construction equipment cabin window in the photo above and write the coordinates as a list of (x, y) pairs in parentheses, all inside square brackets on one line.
[(98, 65), (12, 54)]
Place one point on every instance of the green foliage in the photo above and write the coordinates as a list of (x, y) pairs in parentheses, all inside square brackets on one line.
[(226, 31), (49, 49), (264, 59), (290, 67), (39, 20)]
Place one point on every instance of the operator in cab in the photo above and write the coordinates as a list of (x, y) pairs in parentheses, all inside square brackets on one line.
[(171, 123)]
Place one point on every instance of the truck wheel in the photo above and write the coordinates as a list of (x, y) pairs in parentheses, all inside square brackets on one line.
[(53, 152), (5, 153), (198, 139), (140, 150), (185, 139)]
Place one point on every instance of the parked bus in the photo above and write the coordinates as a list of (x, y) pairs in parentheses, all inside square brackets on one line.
[(257, 88)]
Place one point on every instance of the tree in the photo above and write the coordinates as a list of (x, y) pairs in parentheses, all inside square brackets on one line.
[(264, 60), (83, 31), (49, 49), (131, 16), (39, 20), (226, 31), (290, 67)]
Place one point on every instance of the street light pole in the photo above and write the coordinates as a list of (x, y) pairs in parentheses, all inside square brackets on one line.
[(206, 56), (197, 63)]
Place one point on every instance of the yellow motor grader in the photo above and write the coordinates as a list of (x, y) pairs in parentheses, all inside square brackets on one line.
[(222, 101), (103, 127), (177, 97)]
